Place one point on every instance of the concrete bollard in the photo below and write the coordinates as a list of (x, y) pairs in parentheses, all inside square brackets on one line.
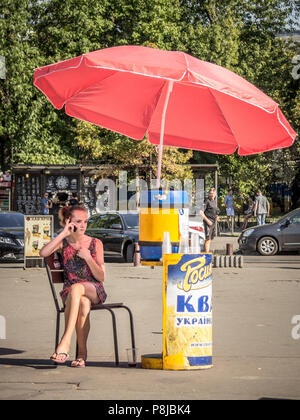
[(241, 261), (228, 261), (137, 255), (235, 262), (229, 249)]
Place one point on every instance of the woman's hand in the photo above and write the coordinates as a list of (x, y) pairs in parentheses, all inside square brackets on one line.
[(84, 253), (69, 228)]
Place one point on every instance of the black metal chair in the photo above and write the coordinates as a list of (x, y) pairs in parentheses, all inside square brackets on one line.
[(55, 275)]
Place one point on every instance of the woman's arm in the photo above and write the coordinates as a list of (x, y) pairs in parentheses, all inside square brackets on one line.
[(56, 243), (97, 267)]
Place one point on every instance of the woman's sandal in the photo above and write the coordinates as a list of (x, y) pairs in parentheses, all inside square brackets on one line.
[(60, 360), (78, 363)]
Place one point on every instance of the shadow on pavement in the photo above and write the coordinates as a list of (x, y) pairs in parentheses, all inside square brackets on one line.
[(48, 364), (4, 351)]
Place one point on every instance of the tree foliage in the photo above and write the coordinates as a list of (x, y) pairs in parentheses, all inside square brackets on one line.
[(237, 34)]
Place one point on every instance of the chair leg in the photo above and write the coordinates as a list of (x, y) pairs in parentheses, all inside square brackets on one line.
[(57, 332), (115, 335), (131, 325)]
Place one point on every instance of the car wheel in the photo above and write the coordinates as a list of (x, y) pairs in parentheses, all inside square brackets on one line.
[(129, 252), (267, 246)]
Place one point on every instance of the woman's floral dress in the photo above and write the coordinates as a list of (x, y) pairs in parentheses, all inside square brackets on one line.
[(76, 270)]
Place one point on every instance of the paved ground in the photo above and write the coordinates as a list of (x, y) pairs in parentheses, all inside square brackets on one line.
[(255, 354)]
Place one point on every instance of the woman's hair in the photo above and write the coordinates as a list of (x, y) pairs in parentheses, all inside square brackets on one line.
[(66, 212)]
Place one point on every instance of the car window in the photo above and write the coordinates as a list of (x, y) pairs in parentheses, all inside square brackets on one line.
[(11, 220), (131, 220), (100, 222), (296, 218), (91, 222), (114, 219)]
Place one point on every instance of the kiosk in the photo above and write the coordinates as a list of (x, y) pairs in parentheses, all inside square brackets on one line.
[(187, 284)]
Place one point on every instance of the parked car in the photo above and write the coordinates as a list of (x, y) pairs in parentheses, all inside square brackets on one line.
[(269, 239), (198, 228), (118, 231), (11, 236)]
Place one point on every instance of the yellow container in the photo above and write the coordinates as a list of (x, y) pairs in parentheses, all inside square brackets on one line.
[(154, 222), (161, 211)]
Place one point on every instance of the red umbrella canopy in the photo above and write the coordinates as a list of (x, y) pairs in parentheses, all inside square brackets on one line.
[(197, 105)]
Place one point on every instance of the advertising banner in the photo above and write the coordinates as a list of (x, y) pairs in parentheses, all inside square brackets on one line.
[(187, 311), (38, 230)]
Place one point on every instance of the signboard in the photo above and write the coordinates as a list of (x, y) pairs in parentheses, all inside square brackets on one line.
[(38, 230), (187, 314)]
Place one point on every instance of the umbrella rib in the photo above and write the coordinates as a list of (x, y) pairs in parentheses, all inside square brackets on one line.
[(286, 129), (225, 119), (232, 95), (87, 87), (59, 70), (140, 74)]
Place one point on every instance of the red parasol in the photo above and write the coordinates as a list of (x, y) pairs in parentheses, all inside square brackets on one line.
[(175, 98)]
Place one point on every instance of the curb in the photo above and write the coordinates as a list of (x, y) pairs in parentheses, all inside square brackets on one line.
[(228, 261)]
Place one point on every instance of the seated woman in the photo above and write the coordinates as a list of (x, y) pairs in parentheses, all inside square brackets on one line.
[(84, 273)]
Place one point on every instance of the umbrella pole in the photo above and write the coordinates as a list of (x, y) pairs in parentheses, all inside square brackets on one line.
[(162, 132)]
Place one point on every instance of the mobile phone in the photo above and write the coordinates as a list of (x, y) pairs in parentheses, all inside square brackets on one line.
[(75, 229)]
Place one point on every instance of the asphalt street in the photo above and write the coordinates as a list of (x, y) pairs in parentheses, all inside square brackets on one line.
[(256, 336)]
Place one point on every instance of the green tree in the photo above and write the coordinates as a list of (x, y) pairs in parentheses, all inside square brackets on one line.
[(30, 129), (237, 34)]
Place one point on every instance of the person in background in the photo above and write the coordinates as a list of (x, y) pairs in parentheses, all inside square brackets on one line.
[(54, 211), (74, 200), (46, 204), (228, 201), (210, 218), (261, 208), (248, 212)]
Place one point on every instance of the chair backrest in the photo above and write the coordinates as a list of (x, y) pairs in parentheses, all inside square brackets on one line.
[(55, 274), (54, 264)]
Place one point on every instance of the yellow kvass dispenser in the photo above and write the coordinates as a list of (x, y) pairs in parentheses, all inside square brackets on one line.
[(161, 211)]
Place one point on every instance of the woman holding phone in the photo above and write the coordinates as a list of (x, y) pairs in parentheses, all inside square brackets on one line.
[(84, 273)]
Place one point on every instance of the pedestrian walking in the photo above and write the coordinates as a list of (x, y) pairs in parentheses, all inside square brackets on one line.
[(261, 208)]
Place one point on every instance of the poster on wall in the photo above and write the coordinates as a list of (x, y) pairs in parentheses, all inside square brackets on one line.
[(38, 231), (187, 315)]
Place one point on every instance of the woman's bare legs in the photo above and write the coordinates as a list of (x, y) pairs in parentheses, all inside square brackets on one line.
[(83, 329), (77, 309), (71, 314)]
